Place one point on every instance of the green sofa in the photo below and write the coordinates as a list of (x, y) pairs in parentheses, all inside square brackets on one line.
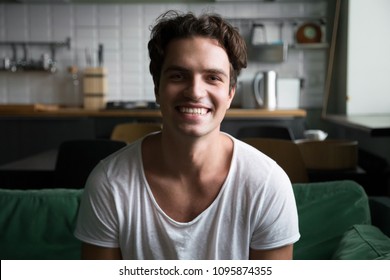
[(334, 217)]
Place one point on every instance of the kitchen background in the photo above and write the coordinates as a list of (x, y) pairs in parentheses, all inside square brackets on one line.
[(123, 30), (78, 29)]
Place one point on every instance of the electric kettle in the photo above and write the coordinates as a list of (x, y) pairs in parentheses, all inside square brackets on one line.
[(265, 89)]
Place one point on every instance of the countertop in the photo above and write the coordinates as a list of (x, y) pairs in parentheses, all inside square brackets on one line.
[(376, 125), (39, 110)]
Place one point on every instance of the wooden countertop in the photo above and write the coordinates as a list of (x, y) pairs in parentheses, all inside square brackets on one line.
[(39, 110)]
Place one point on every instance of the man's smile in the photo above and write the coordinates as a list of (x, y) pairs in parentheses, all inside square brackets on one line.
[(193, 110)]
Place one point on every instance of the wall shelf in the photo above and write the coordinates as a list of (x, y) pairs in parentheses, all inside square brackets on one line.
[(52, 44), (46, 64), (311, 46), (291, 20)]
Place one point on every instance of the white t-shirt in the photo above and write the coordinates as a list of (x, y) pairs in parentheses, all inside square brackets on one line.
[(255, 208)]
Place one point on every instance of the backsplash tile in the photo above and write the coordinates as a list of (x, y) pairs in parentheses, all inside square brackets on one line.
[(108, 15), (58, 33), (42, 88), (39, 16), (19, 33), (85, 15), (18, 88), (124, 30), (40, 33), (61, 16), (2, 18), (131, 16), (16, 16), (3, 91)]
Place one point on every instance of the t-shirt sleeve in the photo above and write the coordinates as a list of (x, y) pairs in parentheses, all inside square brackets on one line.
[(97, 220), (277, 217)]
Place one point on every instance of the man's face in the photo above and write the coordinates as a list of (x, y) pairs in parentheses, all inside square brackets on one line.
[(194, 86)]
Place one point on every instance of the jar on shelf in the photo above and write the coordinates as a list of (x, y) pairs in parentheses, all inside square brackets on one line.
[(73, 98)]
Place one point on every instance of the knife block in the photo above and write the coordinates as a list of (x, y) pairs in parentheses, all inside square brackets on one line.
[(95, 88)]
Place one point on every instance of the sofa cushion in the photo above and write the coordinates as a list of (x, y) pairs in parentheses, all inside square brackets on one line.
[(39, 224), (380, 212), (326, 210), (363, 242)]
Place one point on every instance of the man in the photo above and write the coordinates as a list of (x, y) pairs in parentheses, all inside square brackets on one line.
[(190, 191)]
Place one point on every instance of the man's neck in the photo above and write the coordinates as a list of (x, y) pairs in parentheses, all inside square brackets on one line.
[(194, 155), (186, 177)]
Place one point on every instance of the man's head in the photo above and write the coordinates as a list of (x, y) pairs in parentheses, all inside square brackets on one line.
[(172, 25)]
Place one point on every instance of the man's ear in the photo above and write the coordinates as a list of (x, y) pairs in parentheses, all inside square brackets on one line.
[(156, 95), (232, 92)]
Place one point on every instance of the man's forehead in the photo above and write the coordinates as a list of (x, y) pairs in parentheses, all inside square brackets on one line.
[(197, 50)]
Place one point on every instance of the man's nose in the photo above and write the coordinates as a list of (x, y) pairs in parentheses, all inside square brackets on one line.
[(196, 89)]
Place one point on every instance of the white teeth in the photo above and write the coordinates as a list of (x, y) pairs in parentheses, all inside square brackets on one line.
[(195, 111)]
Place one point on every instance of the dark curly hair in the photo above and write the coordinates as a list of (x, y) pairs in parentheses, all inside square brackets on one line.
[(173, 25)]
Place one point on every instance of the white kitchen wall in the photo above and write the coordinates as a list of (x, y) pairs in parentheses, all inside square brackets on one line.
[(124, 31)]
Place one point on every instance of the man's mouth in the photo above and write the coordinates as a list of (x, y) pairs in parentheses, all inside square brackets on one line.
[(193, 111)]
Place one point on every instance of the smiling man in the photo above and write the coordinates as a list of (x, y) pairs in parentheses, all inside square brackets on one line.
[(190, 191)]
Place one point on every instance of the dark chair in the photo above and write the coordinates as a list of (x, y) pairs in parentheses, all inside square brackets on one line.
[(266, 131), (77, 158), (286, 153), (129, 132)]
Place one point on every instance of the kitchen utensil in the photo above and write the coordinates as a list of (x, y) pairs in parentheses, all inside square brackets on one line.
[(265, 88), (258, 35), (268, 53), (74, 98), (95, 88), (88, 57), (6, 63), (100, 55), (266, 46)]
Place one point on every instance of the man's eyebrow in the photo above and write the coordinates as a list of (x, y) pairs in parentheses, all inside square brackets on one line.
[(176, 68), (183, 69)]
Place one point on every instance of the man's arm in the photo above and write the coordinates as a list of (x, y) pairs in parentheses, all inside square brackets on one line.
[(282, 253), (93, 252)]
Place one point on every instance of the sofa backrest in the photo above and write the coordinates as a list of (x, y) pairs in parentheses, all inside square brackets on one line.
[(39, 224), (326, 210)]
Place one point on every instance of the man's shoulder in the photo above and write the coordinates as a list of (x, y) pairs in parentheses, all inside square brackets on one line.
[(126, 158), (129, 151), (244, 150), (251, 161)]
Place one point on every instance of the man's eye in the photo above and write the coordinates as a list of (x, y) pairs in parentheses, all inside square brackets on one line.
[(214, 78), (176, 76)]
